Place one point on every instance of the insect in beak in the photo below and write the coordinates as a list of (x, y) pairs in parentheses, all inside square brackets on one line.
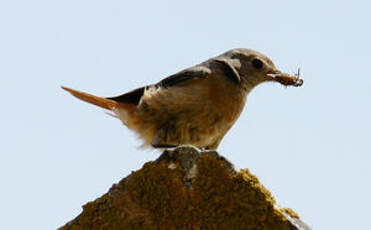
[(286, 79)]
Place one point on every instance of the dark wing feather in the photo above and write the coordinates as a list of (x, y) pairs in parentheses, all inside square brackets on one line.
[(132, 97), (183, 76)]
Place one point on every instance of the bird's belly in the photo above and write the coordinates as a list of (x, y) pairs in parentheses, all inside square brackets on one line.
[(201, 130), (171, 118)]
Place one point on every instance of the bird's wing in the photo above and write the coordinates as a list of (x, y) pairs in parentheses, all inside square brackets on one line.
[(221, 65), (133, 97), (184, 76)]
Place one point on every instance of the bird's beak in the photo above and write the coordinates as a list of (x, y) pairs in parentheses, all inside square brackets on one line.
[(286, 79)]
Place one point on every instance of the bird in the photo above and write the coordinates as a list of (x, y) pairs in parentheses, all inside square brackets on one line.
[(196, 106)]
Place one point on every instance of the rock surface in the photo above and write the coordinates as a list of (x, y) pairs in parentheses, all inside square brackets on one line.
[(187, 189)]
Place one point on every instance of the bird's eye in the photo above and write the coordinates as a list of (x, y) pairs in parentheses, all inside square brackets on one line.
[(258, 64)]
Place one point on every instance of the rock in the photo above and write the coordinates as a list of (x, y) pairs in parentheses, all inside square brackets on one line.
[(186, 188)]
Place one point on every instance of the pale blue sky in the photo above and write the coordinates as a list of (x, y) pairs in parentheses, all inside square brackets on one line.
[(309, 146)]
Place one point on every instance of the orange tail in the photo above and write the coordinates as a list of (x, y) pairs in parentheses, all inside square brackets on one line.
[(99, 101)]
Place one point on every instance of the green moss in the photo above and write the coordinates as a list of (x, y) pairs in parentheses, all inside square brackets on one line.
[(160, 190), (291, 212), (155, 197), (231, 201), (100, 214)]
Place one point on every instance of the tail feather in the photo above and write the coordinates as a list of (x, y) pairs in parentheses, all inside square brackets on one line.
[(99, 101)]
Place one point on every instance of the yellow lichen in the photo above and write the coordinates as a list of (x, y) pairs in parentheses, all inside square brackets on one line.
[(155, 197), (160, 190), (231, 201), (291, 212)]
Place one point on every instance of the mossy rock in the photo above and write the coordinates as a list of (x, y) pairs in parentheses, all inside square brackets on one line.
[(187, 189)]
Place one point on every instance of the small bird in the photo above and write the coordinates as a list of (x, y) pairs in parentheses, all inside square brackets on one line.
[(196, 106)]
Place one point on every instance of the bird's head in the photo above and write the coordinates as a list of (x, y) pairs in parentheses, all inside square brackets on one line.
[(254, 68)]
